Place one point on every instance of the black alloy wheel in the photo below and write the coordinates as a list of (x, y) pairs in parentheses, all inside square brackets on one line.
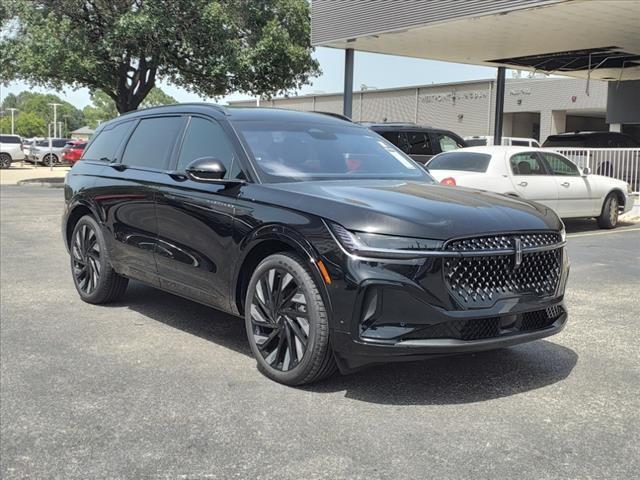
[(287, 323), (280, 320), (93, 276)]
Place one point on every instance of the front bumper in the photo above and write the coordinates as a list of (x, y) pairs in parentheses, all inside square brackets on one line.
[(386, 310)]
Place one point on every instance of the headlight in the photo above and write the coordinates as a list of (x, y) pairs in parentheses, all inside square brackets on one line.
[(383, 246)]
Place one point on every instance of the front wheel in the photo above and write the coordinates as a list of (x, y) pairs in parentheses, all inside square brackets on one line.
[(287, 323), (93, 276), (609, 216)]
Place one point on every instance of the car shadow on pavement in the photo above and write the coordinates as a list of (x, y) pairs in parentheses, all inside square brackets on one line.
[(438, 381), (580, 225)]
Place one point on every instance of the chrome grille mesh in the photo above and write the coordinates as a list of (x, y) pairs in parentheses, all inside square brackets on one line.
[(479, 280)]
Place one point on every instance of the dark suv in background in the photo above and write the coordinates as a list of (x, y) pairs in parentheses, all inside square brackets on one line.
[(419, 142), (336, 248)]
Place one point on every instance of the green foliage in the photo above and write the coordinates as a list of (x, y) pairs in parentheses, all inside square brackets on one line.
[(27, 125), (210, 47), (103, 108), (37, 105)]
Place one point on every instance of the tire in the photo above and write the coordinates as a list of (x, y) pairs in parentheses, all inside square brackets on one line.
[(45, 159), (94, 278), (609, 216), (286, 322), (5, 160)]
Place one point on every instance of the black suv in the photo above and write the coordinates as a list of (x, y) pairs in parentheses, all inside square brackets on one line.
[(591, 140), (336, 248), (419, 142)]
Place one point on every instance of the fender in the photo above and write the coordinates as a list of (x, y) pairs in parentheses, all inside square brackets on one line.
[(290, 237), (78, 201)]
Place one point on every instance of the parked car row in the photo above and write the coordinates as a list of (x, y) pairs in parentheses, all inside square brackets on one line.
[(62, 150)]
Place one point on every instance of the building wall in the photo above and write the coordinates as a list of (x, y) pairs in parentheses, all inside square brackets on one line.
[(466, 107)]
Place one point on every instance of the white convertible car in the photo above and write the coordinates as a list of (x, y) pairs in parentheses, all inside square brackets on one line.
[(535, 174)]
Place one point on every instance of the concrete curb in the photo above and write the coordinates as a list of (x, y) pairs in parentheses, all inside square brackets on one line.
[(52, 182)]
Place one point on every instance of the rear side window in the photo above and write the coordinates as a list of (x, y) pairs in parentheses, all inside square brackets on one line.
[(419, 143), (105, 145), (447, 142), (527, 164), (461, 161), (9, 139), (205, 138), (520, 143), (151, 143), (59, 143)]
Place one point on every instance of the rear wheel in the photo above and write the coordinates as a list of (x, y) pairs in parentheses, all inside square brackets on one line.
[(93, 276), (609, 216), (5, 160), (287, 323)]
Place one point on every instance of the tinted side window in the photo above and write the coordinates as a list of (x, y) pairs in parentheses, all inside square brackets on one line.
[(447, 142), (59, 143), (520, 143), (9, 139), (392, 137), (105, 145), (560, 165), (419, 143), (151, 142), (527, 164), (205, 138)]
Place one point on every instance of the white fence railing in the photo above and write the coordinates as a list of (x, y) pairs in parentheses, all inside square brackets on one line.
[(620, 163)]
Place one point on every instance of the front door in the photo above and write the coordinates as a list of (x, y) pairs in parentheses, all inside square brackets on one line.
[(575, 195), (531, 180), (195, 219)]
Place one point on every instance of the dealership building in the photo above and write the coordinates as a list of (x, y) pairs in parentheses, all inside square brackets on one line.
[(533, 107), (596, 43)]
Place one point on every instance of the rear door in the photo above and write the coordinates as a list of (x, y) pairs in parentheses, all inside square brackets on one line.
[(129, 194), (575, 194), (195, 219), (531, 180)]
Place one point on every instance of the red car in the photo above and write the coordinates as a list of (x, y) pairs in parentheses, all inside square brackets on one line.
[(73, 151)]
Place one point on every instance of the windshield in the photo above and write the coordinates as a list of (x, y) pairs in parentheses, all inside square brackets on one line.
[(285, 151), (461, 161)]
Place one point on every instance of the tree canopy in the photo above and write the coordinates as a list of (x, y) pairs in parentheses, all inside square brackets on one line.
[(122, 47)]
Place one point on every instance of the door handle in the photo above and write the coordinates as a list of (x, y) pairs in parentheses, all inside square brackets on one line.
[(565, 184), (523, 184), (177, 176)]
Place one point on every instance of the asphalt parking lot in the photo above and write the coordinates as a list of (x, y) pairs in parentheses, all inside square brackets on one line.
[(159, 387)]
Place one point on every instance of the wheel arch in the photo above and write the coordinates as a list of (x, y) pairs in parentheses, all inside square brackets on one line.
[(619, 194), (265, 241), (76, 212)]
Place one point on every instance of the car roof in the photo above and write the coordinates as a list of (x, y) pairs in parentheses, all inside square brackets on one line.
[(495, 149), (584, 134), (236, 113), (402, 127)]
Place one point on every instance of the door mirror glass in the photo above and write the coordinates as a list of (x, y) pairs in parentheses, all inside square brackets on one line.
[(205, 169), (586, 171)]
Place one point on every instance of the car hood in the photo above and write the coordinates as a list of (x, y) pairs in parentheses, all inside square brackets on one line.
[(408, 208)]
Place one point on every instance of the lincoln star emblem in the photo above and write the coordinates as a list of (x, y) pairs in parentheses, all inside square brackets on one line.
[(517, 245)]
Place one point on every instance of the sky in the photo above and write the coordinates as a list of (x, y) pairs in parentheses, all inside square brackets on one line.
[(373, 70)]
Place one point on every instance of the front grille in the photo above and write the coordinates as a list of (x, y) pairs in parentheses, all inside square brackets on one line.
[(481, 328), (479, 280)]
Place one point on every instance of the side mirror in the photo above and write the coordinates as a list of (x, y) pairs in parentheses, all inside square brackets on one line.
[(206, 169), (586, 171)]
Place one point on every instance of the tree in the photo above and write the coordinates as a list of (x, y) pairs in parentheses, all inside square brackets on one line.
[(104, 108), (210, 47), (27, 124)]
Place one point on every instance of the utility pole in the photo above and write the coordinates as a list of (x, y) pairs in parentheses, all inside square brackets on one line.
[(12, 110), (55, 118)]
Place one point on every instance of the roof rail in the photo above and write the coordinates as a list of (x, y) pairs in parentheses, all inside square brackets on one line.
[(220, 108), (336, 115)]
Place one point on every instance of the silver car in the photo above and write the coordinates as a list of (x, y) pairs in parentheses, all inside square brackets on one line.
[(40, 152)]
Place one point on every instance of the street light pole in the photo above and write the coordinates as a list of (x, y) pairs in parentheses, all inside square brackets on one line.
[(55, 118), (12, 110)]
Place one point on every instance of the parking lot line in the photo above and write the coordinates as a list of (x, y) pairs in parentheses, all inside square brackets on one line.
[(610, 232)]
